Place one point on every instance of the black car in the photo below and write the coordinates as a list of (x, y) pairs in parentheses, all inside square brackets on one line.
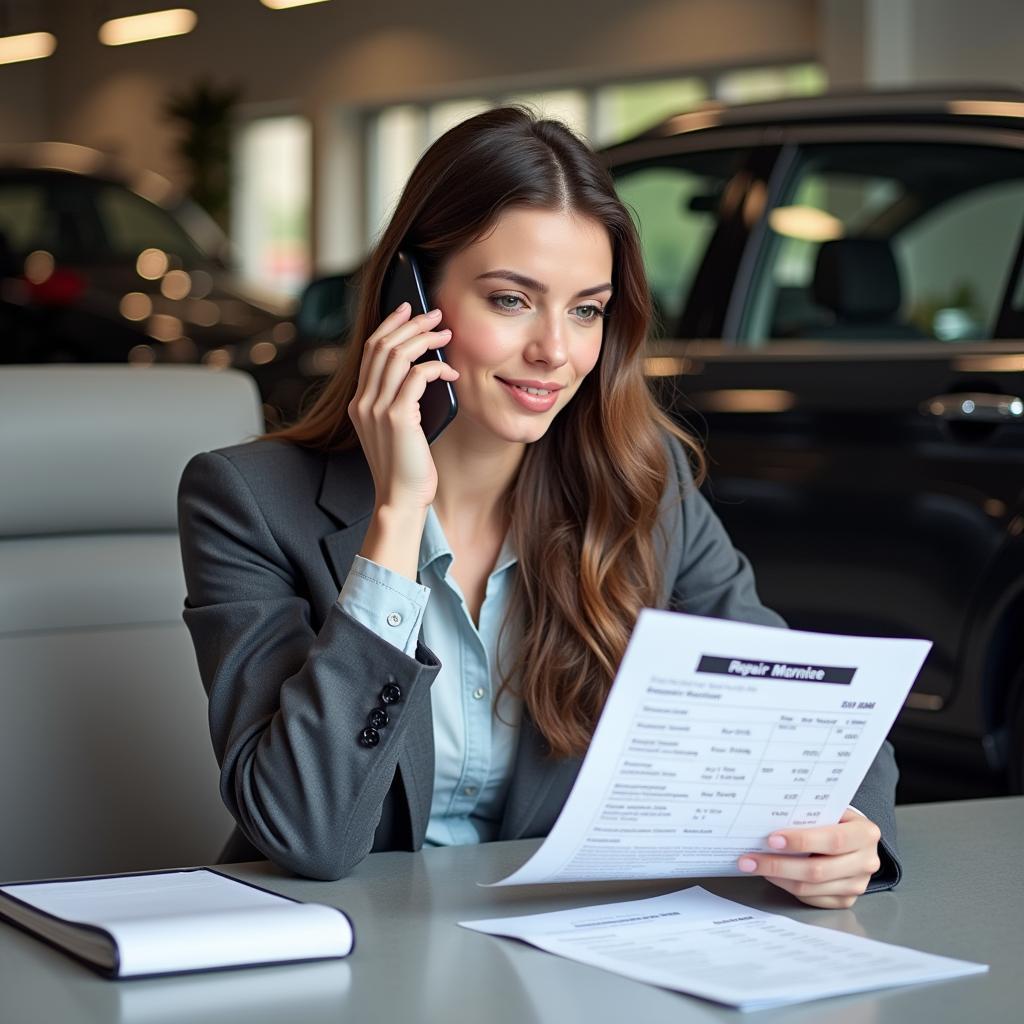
[(841, 301), (99, 265)]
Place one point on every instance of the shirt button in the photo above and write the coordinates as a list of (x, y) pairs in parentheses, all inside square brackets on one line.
[(469, 790), (394, 619), (478, 694)]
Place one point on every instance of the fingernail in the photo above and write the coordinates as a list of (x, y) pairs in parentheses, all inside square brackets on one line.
[(434, 312), (747, 864), (404, 305), (777, 842)]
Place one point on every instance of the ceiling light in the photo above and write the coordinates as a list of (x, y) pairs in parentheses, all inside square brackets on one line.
[(140, 27), (281, 5), (30, 46)]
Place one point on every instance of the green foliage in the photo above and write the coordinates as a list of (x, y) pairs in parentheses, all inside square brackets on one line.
[(962, 296), (205, 111)]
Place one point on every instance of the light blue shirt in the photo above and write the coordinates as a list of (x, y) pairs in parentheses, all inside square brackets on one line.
[(474, 747)]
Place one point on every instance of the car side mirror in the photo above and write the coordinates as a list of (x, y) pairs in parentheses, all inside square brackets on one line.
[(327, 308)]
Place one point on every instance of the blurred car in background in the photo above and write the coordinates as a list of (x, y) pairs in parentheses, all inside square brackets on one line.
[(840, 289), (98, 265)]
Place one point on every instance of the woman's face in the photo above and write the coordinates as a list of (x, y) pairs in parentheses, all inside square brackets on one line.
[(525, 307)]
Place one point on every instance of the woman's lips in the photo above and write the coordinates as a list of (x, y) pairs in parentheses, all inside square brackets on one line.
[(534, 403)]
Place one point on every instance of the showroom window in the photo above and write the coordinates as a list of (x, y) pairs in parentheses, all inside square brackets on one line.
[(271, 201), (397, 136), (754, 85), (605, 114)]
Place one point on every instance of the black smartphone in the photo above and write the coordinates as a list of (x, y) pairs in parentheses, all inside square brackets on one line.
[(403, 283)]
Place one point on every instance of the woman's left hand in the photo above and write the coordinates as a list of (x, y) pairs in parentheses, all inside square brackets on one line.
[(842, 859)]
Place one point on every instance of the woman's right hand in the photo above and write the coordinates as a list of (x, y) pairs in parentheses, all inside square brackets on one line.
[(385, 410)]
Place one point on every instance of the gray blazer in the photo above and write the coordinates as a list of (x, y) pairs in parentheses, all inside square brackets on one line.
[(268, 533)]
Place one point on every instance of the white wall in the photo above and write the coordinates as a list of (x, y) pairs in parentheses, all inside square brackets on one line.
[(24, 111), (922, 42), (968, 41)]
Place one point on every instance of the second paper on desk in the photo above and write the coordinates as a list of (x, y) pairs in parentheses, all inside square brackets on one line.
[(714, 735)]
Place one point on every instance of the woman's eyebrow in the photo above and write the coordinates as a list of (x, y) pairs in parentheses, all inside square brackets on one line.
[(529, 282)]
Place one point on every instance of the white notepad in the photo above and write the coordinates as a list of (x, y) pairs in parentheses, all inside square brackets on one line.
[(174, 921)]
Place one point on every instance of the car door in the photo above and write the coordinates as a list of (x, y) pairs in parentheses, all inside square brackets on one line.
[(865, 424)]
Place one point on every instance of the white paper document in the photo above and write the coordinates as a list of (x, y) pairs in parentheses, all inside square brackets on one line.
[(693, 941), (714, 735)]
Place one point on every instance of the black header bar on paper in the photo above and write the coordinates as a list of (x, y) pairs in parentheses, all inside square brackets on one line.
[(747, 668)]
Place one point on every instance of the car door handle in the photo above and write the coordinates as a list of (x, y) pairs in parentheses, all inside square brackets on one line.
[(979, 406)]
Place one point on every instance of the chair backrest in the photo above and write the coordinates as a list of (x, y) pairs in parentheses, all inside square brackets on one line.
[(105, 756)]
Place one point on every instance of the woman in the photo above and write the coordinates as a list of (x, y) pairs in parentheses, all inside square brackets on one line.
[(405, 643)]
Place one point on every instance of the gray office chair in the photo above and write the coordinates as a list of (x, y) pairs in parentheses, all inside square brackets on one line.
[(105, 756)]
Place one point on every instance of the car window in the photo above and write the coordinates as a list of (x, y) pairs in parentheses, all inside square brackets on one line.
[(677, 208), (957, 260), (889, 242), (132, 224), (23, 217)]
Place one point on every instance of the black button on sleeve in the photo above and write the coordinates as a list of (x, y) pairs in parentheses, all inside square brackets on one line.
[(391, 694), (378, 718), (369, 737)]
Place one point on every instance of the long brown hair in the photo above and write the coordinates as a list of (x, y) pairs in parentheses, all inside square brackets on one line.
[(584, 504)]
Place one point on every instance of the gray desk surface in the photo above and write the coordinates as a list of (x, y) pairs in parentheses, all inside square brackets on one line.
[(962, 896)]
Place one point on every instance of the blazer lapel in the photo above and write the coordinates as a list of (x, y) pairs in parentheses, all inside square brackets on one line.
[(347, 494)]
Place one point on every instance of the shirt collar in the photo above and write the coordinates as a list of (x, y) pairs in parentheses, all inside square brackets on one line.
[(434, 547)]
